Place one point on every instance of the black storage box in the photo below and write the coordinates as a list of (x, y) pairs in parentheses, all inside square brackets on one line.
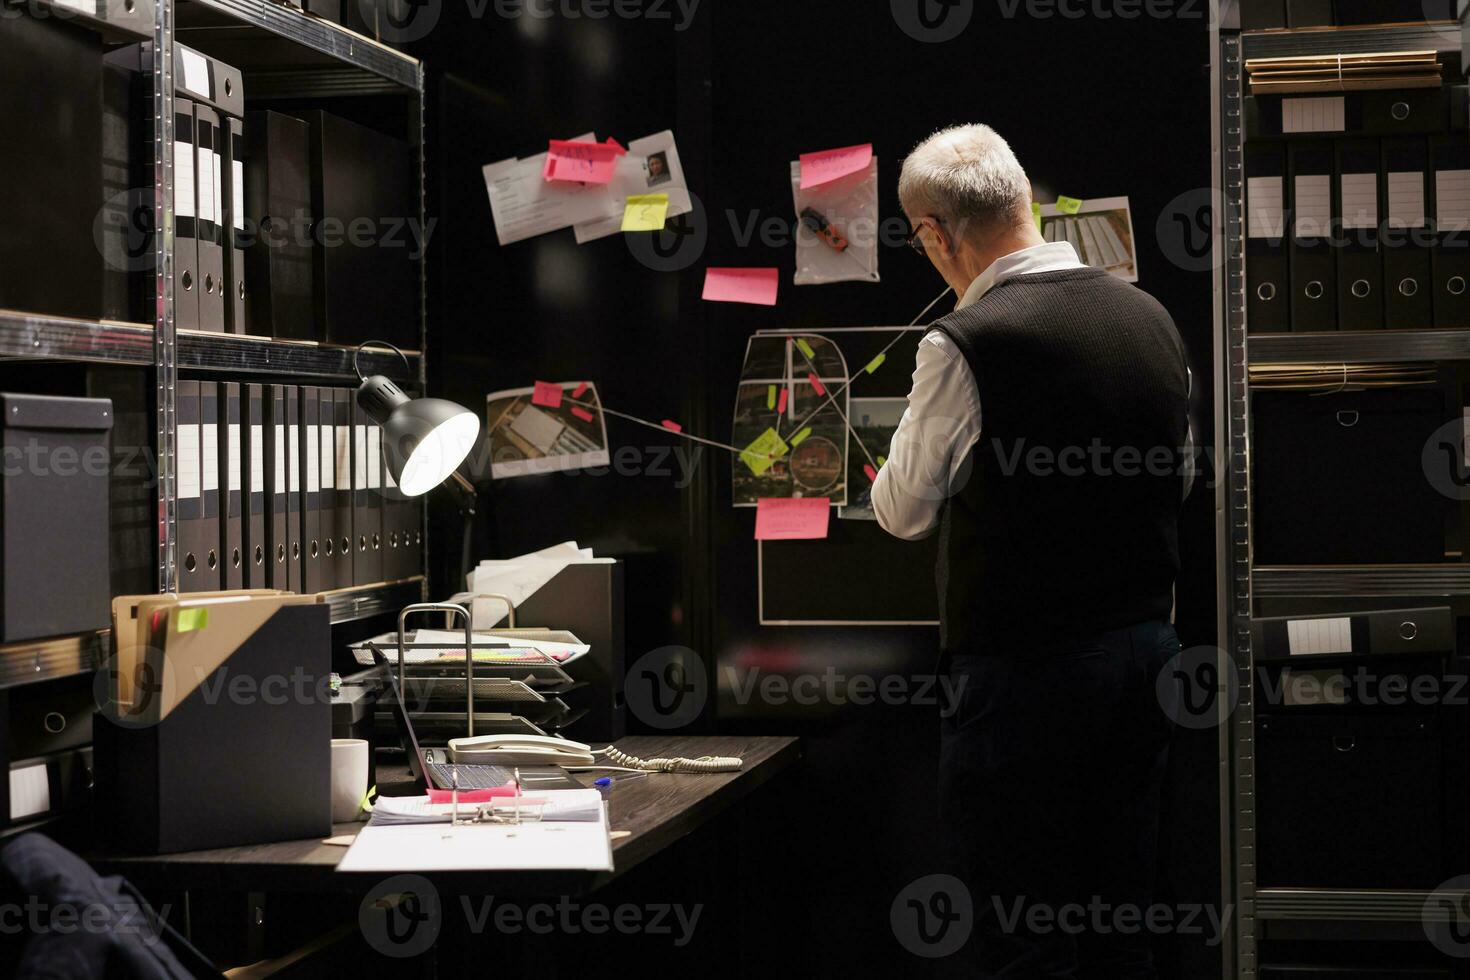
[(54, 555), (364, 193), (1349, 800), (278, 227), (587, 599), (1340, 479)]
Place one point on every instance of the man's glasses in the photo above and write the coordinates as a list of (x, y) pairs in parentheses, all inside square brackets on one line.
[(913, 239)]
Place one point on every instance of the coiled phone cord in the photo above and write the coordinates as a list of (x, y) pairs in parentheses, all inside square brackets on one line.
[(704, 764)]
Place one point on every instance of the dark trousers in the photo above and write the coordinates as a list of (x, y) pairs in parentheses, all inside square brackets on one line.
[(1050, 774)]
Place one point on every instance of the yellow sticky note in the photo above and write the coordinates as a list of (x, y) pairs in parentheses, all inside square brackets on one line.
[(765, 450), (645, 212), (770, 396), (1069, 205), (193, 619), (806, 348), (1036, 214), (881, 461), (800, 437), (876, 363)]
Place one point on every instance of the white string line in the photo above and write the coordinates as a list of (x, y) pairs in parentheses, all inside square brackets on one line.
[(855, 437)]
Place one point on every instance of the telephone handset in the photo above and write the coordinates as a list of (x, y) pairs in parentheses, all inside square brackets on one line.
[(520, 750)]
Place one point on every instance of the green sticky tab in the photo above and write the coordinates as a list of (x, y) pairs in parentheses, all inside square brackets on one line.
[(765, 450), (876, 363), (881, 461), (1069, 205), (806, 348), (800, 437), (193, 619), (1036, 214), (770, 396)]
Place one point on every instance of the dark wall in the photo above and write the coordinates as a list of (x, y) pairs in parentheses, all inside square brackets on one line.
[(1093, 107)]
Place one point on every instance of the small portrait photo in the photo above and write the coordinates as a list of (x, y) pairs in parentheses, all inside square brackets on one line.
[(658, 169)]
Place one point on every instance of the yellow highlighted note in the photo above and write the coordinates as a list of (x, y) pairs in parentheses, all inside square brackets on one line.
[(800, 437), (192, 619), (1069, 205), (765, 450), (645, 212)]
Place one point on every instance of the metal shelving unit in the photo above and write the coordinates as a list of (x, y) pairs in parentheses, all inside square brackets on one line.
[(1240, 581), (283, 53)]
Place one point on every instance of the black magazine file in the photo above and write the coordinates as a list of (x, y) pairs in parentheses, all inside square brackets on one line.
[(221, 770)]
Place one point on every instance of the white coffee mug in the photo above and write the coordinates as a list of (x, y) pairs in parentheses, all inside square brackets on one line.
[(349, 778)]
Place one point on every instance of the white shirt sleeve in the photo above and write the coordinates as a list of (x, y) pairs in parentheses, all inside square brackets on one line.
[(930, 454)]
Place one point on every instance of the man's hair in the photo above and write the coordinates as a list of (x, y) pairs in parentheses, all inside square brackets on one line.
[(967, 177)]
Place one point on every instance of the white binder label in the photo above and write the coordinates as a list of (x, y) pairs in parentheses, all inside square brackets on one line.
[(1360, 200), (359, 457), (1317, 115), (183, 179), (280, 456), (1308, 636), (257, 459), (187, 477), (313, 460), (194, 68), (1452, 199), (1313, 205), (375, 458), (328, 451), (205, 184), (234, 463), (237, 189), (295, 463), (1265, 215), (1406, 199), (344, 456), (210, 464), (388, 480), (219, 187), (30, 791)]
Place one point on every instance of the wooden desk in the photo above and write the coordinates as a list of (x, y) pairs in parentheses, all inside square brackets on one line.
[(657, 810)]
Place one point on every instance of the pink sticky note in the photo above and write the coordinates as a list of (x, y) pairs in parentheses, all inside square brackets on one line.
[(756, 286), (828, 165), (581, 390), (781, 401), (622, 150), (546, 394), (583, 414), (870, 473), (472, 795), (590, 163), (791, 518), (816, 384), (672, 426)]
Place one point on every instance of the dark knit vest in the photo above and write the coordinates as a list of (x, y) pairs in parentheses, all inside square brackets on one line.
[(1066, 525)]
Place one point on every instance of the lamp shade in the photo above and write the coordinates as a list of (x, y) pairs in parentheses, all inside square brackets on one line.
[(424, 439)]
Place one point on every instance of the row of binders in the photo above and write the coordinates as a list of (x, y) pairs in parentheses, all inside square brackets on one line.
[(1358, 211), (1258, 15), (287, 487)]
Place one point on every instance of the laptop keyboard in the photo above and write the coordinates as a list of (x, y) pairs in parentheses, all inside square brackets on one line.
[(470, 776)]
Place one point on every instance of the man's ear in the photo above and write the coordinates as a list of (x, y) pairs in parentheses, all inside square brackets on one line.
[(948, 244)]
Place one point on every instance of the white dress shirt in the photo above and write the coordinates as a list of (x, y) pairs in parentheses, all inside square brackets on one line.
[(931, 448)]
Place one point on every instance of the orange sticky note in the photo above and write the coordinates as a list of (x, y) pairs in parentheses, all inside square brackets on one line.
[(828, 165), (791, 518), (816, 384), (672, 426), (590, 163), (756, 286), (546, 394), (583, 414)]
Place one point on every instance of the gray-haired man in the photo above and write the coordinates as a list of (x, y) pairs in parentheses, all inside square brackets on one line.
[(1058, 552)]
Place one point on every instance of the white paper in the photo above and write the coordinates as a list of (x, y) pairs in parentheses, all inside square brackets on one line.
[(257, 459), (344, 456), (550, 647), (563, 846), (1313, 205), (205, 185), (1359, 200), (1314, 115), (375, 458), (183, 179), (568, 805), (525, 204), (234, 461), (237, 188), (1406, 199), (210, 457), (313, 459), (30, 791), (280, 457), (194, 68), (219, 192), (187, 477), (294, 463), (359, 457), (1452, 199), (631, 177), (1101, 233), (1265, 214), (1310, 636), (328, 457)]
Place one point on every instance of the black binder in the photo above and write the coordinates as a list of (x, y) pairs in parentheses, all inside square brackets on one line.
[(210, 207), (278, 262), (1401, 112), (1449, 155), (203, 79), (395, 545), (367, 509), (294, 484), (257, 514), (346, 539), (311, 492), (234, 170), (1308, 13), (327, 498), (1260, 15), (1266, 272), (232, 512), (209, 459), (1313, 264), (276, 476), (186, 220), (1373, 633), (1351, 12), (1408, 302), (192, 546), (1359, 264)]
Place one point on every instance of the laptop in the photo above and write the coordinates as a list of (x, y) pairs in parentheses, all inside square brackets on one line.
[(441, 775)]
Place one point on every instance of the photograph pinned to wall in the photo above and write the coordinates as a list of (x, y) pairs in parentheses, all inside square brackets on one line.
[(650, 166), (527, 439), (524, 204), (786, 379), (836, 227), (1101, 231), (874, 420)]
